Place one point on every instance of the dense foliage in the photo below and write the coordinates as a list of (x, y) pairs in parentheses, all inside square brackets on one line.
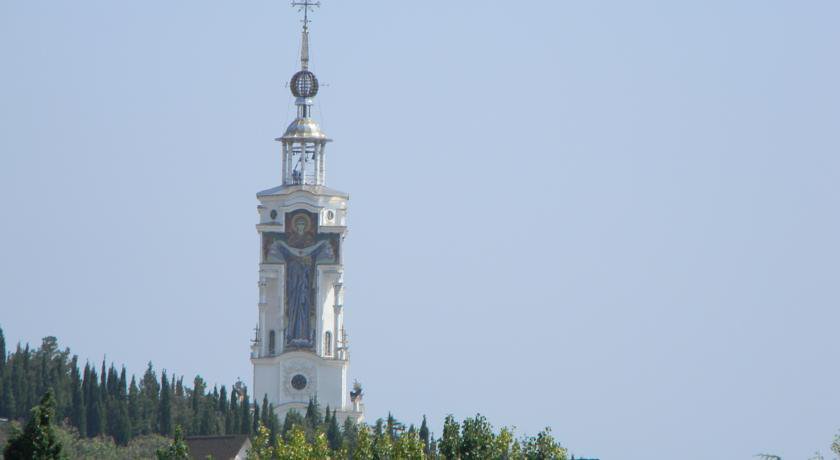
[(307, 438), (38, 440), (105, 402), (310, 436), (105, 414)]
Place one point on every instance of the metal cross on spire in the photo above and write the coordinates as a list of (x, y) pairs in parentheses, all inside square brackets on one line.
[(306, 6)]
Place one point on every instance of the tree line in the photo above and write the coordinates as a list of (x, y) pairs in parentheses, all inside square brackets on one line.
[(103, 401)]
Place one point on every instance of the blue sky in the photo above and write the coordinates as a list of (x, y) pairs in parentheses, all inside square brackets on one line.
[(618, 219)]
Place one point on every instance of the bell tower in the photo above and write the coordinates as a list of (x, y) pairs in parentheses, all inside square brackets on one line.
[(300, 347)]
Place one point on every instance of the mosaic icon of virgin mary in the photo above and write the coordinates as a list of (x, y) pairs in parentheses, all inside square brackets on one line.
[(301, 254)]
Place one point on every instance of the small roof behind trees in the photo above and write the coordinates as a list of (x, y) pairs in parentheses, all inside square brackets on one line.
[(233, 447)]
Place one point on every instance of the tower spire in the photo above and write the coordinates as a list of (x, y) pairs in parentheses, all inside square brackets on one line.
[(304, 142), (304, 49), (305, 7)]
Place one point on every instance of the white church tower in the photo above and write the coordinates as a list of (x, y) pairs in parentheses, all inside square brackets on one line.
[(300, 348)]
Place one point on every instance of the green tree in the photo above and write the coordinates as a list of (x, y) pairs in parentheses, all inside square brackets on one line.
[(178, 450), (2, 351), (261, 448), (78, 413), (477, 439), (165, 414), (134, 407), (313, 415), (409, 446), (121, 424), (334, 433), (393, 426), (196, 400), (264, 415), (257, 418), (38, 440), (149, 401), (364, 444), (543, 446), (424, 435), (320, 448), (350, 435), (383, 447), (233, 411), (245, 416), (293, 419), (273, 423), (96, 412), (835, 446), (295, 447), (504, 444), (450, 444)]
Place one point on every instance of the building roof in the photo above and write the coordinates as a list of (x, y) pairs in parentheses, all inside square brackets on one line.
[(313, 189), (217, 447)]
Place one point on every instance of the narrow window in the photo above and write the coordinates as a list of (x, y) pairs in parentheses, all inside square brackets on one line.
[(271, 342), (328, 343)]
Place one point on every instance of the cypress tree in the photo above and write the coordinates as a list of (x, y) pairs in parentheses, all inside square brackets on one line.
[(273, 423), (327, 414), (265, 414), (3, 379), (149, 401), (95, 425), (196, 399), (3, 386), (245, 418), (334, 433), (255, 426), (424, 435), (234, 412), (121, 424), (43, 372), (2, 351), (313, 415), (222, 400), (78, 414), (350, 435), (165, 414), (103, 382), (9, 401), (206, 424), (134, 407), (224, 410), (24, 391)]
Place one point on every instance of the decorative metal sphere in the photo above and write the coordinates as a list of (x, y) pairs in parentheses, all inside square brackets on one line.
[(304, 84)]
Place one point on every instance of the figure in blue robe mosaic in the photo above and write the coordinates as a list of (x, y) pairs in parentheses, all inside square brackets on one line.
[(301, 249)]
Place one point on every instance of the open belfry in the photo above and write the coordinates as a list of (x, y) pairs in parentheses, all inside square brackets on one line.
[(300, 349)]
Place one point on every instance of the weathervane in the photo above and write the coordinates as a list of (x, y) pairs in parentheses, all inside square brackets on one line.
[(306, 6)]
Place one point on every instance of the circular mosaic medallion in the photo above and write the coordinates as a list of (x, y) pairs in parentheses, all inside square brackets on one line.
[(299, 382)]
